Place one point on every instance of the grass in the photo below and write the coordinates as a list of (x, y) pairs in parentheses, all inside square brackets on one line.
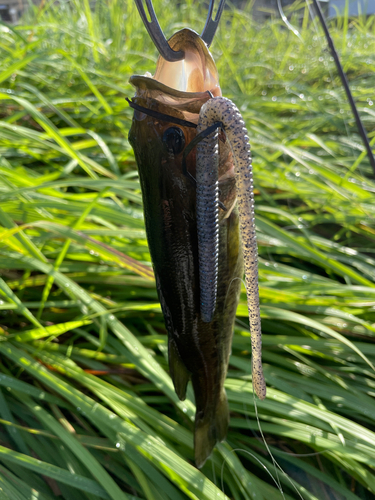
[(87, 408)]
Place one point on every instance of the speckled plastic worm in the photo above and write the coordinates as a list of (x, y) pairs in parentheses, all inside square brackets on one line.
[(221, 109), (208, 221)]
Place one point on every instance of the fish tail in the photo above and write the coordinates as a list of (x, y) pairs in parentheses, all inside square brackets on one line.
[(210, 428)]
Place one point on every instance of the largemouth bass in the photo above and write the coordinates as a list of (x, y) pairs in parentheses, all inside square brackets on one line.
[(167, 108)]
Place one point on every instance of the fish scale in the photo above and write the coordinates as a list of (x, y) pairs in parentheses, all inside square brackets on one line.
[(175, 194)]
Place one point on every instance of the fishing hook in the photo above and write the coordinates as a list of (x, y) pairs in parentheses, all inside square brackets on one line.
[(157, 36)]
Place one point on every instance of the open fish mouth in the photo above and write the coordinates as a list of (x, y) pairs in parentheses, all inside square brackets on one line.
[(185, 84), (179, 90), (196, 72)]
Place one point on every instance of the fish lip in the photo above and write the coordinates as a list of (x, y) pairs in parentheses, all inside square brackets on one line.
[(142, 82), (190, 78)]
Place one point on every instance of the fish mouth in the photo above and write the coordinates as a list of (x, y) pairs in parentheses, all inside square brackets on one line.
[(194, 78)]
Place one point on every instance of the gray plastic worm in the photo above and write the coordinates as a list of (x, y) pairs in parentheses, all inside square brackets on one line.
[(221, 109), (208, 221)]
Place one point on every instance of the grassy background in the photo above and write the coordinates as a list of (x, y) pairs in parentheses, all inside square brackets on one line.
[(87, 407)]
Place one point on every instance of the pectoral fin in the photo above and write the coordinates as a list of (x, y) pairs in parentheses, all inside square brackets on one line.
[(178, 371)]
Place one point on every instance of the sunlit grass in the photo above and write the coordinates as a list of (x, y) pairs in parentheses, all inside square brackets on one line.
[(86, 400)]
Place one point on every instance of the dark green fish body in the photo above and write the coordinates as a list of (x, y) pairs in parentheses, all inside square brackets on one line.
[(197, 350)]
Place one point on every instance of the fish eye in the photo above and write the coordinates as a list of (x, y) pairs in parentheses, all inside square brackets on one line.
[(174, 140)]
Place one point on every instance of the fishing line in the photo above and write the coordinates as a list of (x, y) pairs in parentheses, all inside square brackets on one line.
[(199, 137), (303, 454), (332, 80), (160, 116), (274, 461), (345, 84), (259, 461), (342, 75), (312, 454), (344, 81), (341, 102), (286, 21), (263, 438), (226, 296), (275, 464)]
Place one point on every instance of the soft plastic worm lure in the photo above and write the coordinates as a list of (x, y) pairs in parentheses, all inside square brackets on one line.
[(208, 218), (224, 111)]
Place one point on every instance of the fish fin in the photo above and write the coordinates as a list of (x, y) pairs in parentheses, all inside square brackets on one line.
[(178, 371), (210, 429)]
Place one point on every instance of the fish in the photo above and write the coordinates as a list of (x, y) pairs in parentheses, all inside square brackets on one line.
[(167, 114)]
